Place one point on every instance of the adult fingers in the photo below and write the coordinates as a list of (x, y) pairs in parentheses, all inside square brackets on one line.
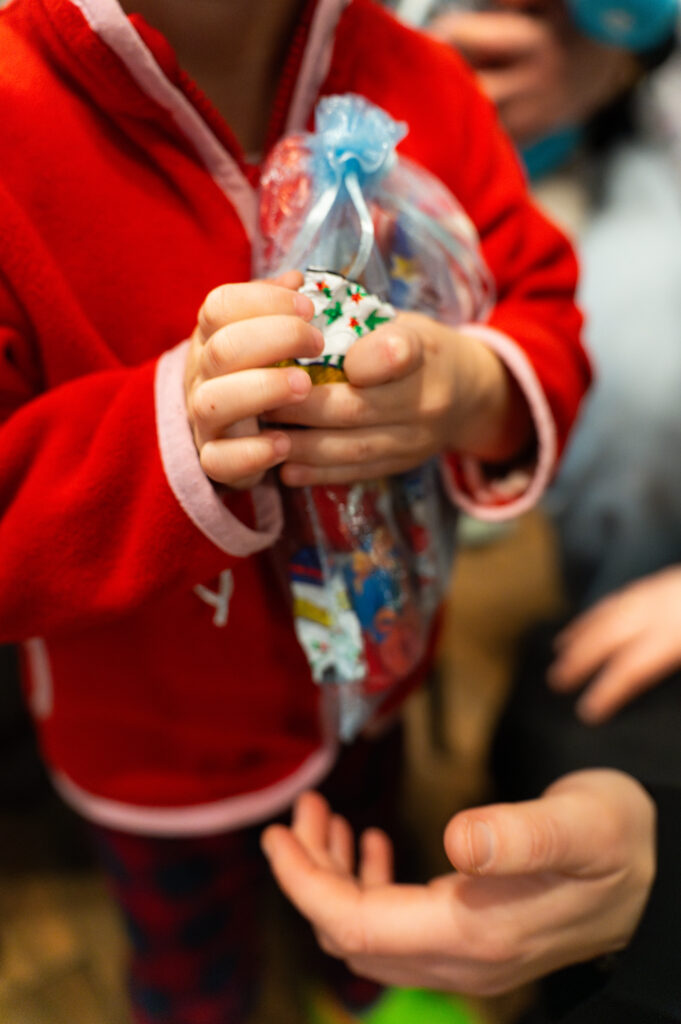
[(588, 642), (241, 462), (612, 609), (571, 832), (633, 670), (216, 404), (323, 895), (258, 343), (341, 844), (390, 920), (376, 860), (232, 302), (311, 822), (489, 37), (385, 355)]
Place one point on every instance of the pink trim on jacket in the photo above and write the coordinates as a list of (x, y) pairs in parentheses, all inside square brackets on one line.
[(503, 499), (190, 485), (203, 819), (316, 62), (108, 20), (39, 671)]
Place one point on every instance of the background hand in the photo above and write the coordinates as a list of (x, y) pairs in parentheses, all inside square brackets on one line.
[(539, 885), (539, 71), (625, 645)]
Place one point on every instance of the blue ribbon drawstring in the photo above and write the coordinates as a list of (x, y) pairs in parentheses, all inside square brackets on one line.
[(352, 150), (353, 147)]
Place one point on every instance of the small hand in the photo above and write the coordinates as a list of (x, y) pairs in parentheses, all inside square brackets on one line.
[(415, 388), (538, 886), (231, 380), (625, 645), (538, 70)]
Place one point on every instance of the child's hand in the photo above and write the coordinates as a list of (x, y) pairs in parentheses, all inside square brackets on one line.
[(415, 388), (539, 885), (628, 642), (230, 378)]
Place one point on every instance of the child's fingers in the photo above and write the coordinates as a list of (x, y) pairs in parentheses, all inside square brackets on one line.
[(232, 302), (289, 279), (385, 355), (241, 462), (327, 448), (376, 861), (214, 405), (297, 475), (342, 405), (259, 342)]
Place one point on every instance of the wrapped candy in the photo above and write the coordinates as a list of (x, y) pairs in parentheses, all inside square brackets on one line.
[(367, 564)]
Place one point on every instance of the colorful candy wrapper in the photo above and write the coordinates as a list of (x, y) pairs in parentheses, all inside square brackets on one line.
[(367, 565)]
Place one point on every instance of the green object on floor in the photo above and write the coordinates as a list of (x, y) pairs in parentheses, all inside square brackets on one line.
[(417, 1006), (396, 1006)]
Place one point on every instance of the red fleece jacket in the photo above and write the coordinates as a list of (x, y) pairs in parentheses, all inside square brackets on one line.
[(162, 668)]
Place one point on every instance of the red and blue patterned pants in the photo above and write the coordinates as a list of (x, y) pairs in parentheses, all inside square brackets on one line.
[(191, 904)]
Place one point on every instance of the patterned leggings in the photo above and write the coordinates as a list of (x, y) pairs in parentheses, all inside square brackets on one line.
[(190, 904)]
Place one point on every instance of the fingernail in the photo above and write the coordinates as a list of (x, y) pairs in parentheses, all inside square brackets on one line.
[(293, 476), (266, 844), (398, 349), (303, 306), (299, 382), (318, 339), (482, 844), (281, 445)]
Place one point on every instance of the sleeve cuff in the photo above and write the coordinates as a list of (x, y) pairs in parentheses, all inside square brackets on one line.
[(469, 484), (193, 490)]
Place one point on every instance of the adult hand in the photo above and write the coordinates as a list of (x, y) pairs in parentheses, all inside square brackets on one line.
[(538, 886), (539, 71), (415, 388), (624, 645)]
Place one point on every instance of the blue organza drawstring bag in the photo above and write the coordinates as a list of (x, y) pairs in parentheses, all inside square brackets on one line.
[(367, 564)]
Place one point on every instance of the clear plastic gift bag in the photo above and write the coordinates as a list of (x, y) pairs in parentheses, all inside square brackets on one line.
[(367, 564)]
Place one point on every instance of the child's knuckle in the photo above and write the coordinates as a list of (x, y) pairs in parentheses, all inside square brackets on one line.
[(213, 355), (362, 449), (213, 309), (210, 462), (350, 409), (201, 405)]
